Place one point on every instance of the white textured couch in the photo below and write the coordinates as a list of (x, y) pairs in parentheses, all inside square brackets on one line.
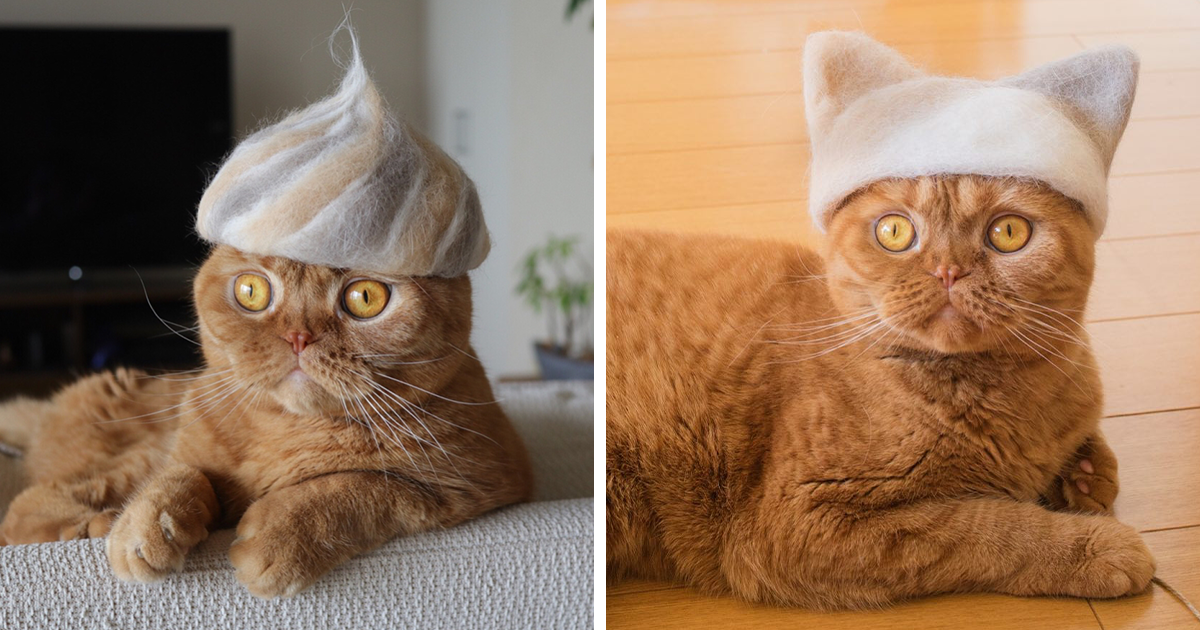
[(526, 566)]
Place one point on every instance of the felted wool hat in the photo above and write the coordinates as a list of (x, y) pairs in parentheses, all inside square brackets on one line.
[(873, 116), (344, 183)]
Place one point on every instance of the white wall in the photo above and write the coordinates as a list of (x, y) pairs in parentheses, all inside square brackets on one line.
[(553, 148), (281, 58), (523, 75)]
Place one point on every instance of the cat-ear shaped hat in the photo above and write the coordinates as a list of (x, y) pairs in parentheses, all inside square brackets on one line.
[(343, 183), (872, 116)]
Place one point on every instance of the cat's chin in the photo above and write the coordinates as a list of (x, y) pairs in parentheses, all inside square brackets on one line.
[(300, 394), (950, 332)]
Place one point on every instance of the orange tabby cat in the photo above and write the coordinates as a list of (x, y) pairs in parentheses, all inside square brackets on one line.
[(337, 410), (916, 413)]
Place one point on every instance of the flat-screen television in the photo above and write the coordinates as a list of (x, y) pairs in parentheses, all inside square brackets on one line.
[(110, 136)]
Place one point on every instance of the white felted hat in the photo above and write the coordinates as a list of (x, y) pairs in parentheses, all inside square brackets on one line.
[(873, 116), (343, 183)]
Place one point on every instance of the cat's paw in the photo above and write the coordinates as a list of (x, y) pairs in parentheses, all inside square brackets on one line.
[(51, 512), (1114, 561), (147, 543), (101, 524), (271, 556), (1090, 484)]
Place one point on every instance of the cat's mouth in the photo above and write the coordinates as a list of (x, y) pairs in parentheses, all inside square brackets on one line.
[(946, 312), (302, 390), (297, 379), (950, 328)]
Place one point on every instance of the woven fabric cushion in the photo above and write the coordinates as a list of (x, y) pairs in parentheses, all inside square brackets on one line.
[(526, 566)]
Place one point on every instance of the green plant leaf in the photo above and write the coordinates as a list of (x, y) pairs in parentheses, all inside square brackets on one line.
[(573, 7), (556, 261)]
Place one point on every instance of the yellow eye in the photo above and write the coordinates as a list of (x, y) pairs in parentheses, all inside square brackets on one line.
[(365, 299), (895, 232), (252, 291), (1009, 233)]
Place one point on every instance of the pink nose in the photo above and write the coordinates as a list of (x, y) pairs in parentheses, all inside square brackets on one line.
[(949, 275), (299, 340)]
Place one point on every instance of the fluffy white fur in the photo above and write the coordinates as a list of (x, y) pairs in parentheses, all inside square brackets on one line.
[(343, 183), (873, 116)]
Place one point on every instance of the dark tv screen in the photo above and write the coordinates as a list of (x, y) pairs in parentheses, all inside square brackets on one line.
[(109, 138)]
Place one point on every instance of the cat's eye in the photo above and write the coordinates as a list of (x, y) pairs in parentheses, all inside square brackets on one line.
[(365, 299), (252, 291), (1009, 233), (895, 232)]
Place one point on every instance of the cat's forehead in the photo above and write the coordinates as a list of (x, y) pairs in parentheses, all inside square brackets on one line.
[(228, 262), (959, 199), (288, 271), (937, 196), (297, 273)]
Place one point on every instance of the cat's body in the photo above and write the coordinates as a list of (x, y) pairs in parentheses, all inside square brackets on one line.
[(766, 438), (316, 450)]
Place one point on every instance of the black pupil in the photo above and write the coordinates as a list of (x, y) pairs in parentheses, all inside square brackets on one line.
[(249, 290), (366, 297), (1009, 228)]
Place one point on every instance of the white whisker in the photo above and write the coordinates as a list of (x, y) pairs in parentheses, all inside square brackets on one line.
[(207, 388), (434, 394), (164, 322)]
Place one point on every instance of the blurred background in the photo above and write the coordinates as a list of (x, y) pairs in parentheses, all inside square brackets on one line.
[(119, 110)]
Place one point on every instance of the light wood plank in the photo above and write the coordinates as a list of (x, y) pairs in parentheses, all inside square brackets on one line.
[(1150, 364), (786, 220), (1153, 146), (1151, 205), (986, 19), (620, 11), (623, 13), (775, 72), (637, 586), (1130, 279), (706, 123), (1156, 457), (708, 177), (685, 608), (1178, 555), (1167, 94)]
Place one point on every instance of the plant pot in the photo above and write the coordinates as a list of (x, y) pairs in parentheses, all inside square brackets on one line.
[(558, 367)]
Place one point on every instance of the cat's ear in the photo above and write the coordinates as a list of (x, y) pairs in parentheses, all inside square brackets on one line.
[(841, 66), (1097, 87)]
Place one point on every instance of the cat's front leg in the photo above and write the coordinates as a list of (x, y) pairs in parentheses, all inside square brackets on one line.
[(853, 560), (53, 511), (290, 537), (166, 518), (1089, 482)]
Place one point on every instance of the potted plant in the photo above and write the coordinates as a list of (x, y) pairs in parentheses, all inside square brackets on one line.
[(556, 280)]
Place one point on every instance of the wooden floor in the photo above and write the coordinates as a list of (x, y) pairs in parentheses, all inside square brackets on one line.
[(706, 134)]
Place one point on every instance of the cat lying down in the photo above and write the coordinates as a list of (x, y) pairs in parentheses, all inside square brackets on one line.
[(340, 404), (915, 411), (373, 421)]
